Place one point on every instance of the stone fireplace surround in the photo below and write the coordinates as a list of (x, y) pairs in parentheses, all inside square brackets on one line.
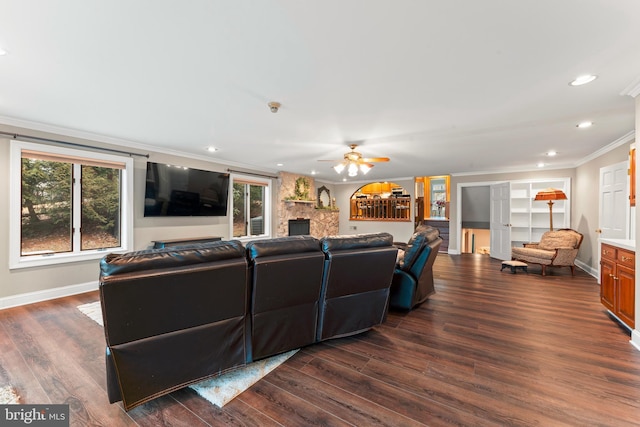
[(324, 222)]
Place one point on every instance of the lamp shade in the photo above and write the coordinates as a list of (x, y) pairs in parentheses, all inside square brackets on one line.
[(551, 194)]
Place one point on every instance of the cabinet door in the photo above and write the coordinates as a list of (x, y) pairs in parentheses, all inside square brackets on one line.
[(607, 284), (626, 295)]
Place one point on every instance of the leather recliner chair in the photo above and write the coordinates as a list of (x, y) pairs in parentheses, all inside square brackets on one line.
[(357, 276), (413, 277), (172, 317), (286, 280)]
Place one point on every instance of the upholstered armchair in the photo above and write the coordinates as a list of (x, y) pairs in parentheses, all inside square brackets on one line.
[(413, 277), (555, 249)]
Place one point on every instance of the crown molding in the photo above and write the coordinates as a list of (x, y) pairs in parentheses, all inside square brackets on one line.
[(633, 89), (624, 139), (27, 125)]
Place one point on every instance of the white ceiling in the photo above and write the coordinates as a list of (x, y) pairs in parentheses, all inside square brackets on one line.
[(438, 86)]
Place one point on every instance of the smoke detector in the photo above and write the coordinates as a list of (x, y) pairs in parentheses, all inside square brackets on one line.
[(274, 106)]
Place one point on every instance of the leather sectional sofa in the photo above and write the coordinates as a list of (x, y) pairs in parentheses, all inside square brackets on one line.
[(176, 316)]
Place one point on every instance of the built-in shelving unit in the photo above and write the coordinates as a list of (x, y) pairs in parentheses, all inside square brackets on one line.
[(530, 218)]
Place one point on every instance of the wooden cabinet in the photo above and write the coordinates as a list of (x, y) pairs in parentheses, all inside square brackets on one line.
[(618, 282)]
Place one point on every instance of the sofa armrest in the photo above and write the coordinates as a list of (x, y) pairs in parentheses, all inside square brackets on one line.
[(564, 256)]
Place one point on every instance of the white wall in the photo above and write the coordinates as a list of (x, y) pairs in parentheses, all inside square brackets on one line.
[(31, 284)]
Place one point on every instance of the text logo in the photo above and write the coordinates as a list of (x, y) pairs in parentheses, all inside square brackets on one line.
[(34, 415)]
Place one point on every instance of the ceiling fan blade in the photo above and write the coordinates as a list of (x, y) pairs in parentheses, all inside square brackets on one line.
[(375, 159), (325, 160)]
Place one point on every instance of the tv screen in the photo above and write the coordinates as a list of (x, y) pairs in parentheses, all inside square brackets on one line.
[(179, 191)]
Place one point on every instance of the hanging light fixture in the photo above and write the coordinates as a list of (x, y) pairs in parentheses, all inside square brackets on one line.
[(339, 167), (364, 168), (354, 162)]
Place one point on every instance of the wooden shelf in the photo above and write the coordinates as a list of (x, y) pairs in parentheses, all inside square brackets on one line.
[(307, 202)]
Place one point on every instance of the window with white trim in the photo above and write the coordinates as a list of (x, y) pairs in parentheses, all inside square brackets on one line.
[(68, 204), (251, 207)]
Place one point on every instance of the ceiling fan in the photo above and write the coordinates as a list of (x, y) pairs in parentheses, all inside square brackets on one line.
[(353, 161)]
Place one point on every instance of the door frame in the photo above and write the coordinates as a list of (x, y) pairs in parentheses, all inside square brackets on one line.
[(459, 187)]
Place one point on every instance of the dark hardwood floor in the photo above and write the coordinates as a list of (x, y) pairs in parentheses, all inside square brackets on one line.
[(489, 348)]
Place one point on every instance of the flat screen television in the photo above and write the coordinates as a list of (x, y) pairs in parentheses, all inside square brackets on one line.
[(180, 191)]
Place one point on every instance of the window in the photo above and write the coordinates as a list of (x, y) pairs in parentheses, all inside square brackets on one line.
[(67, 205), (251, 208)]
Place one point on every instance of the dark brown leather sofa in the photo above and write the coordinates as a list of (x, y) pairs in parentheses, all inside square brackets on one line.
[(172, 317), (355, 289), (286, 278), (176, 316)]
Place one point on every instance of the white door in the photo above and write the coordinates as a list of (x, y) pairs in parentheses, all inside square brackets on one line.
[(614, 201), (499, 224)]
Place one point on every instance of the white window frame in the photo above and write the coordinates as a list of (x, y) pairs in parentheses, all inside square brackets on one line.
[(16, 260), (267, 205)]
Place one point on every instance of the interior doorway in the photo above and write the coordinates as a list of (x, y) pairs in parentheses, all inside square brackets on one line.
[(475, 219)]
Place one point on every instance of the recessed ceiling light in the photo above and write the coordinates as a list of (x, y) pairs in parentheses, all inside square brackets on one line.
[(582, 80), (313, 172), (2, 52), (540, 165), (551, 153), (344, 179), (212, 149), (584, 125), (279, 164)]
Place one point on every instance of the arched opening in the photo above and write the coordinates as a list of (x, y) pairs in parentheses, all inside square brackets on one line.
[(380, 201)]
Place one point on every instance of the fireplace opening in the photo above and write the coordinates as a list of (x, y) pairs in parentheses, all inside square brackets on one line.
[(299, 227)]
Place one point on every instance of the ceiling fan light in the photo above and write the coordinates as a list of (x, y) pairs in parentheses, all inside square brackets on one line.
[(352, 169), (339, 167), (364, 168)]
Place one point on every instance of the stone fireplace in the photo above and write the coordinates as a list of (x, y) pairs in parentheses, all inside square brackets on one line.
[(322, 222)]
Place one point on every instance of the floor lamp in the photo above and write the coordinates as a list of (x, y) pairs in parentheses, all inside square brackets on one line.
[(551, 194)]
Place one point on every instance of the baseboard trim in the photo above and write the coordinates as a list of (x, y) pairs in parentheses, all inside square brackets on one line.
[(635, 339), (587, 268), (46, 294)]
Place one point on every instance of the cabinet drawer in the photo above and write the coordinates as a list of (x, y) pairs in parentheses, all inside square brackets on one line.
[(626, 258), (607, 251)]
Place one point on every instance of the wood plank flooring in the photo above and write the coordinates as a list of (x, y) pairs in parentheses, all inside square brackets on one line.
[(490, 348)]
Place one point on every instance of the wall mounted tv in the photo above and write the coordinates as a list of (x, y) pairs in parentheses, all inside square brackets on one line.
[(179, 191)]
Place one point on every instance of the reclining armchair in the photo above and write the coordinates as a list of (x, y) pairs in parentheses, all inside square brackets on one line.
[(555, 249), (413, 276), (355, 290)]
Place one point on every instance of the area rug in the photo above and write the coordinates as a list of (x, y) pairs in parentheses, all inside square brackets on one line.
[(221, 389), (8, 396)]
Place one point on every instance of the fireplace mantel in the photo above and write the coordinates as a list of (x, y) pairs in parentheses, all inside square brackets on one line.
[(324, 222)]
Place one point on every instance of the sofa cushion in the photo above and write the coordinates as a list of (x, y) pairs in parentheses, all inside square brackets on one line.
[(357, 241), (423, 235), (429, 232), (552, 240), (281, 246), (171, 257), (532, 254)]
